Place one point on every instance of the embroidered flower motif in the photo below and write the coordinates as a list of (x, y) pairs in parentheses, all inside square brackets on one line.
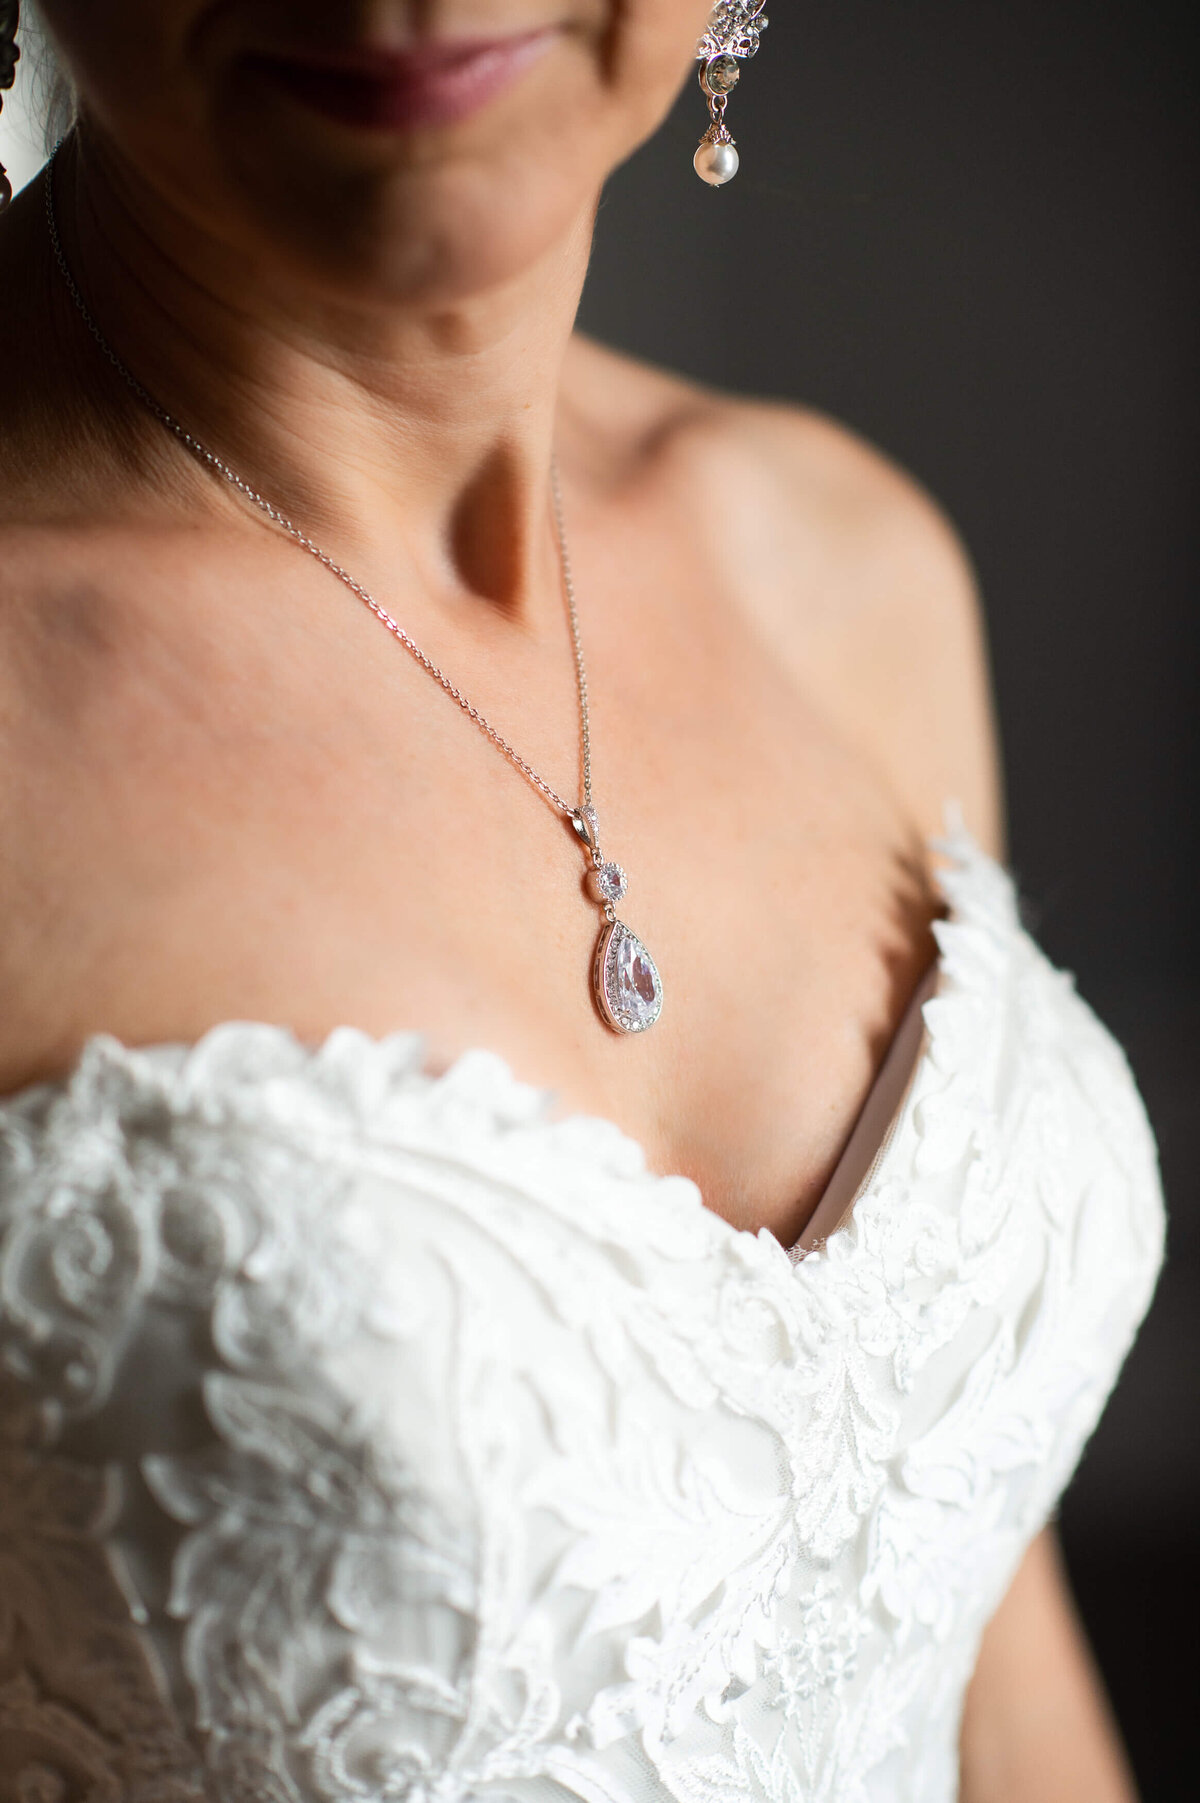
[(425, 1447), (100, 1732)]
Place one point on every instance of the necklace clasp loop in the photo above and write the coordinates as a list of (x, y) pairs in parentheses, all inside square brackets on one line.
[(586, 827)]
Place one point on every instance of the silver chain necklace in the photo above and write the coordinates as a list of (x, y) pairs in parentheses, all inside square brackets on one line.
[(625, 981)]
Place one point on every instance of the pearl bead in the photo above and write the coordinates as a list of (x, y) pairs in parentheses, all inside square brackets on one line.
[(716, 164)]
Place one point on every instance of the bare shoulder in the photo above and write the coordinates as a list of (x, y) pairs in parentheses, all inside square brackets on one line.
[(838, 557), (876, 606)]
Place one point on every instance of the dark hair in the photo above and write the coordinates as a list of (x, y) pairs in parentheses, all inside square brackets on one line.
[(52, 94)]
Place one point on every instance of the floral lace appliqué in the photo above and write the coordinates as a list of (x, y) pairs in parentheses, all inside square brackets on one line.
[(370, 1435)]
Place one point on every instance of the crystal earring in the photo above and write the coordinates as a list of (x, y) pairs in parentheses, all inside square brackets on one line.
[(10, 17), (733, 31)]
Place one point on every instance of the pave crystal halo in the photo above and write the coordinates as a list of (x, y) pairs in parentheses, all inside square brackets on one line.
[(626, 980), (608, 882)]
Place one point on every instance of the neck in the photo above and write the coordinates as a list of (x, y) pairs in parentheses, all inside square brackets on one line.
[(405, 438)]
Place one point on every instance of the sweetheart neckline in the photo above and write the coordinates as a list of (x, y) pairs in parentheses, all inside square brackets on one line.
[(956, 844)]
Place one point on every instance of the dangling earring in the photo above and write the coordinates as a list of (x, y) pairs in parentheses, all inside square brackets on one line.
[(733, 32), (10, 18)]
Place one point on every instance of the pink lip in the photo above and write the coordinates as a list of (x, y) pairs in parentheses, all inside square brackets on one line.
[(429, 84)]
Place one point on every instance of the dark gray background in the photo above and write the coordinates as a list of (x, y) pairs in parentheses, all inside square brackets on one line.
[(968, 229)]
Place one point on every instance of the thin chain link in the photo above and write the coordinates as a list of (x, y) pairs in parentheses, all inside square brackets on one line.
[(210, 459)]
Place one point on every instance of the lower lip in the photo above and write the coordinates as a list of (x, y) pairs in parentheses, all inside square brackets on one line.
[(429, 87)]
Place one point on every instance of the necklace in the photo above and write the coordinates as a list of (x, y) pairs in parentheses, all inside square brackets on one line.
[(626, 985)]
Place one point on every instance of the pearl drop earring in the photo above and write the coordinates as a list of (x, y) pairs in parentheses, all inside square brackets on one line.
[(733, 31)]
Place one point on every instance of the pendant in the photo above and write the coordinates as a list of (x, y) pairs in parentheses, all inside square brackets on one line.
[(626, 985)]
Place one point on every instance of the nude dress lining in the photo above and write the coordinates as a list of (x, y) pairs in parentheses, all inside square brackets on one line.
[(877, 1120)]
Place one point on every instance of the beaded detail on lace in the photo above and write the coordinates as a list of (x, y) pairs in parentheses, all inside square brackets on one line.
[(372, 1435)]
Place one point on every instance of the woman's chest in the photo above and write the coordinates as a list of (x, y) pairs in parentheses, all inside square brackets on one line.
[(323, 837)]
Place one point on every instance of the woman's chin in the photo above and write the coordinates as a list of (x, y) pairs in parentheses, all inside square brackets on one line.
[(430, 213)]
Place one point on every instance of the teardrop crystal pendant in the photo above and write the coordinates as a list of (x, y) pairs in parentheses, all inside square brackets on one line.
[(625, 978)]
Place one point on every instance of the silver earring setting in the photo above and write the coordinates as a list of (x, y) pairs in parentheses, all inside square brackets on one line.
[(733, 33)]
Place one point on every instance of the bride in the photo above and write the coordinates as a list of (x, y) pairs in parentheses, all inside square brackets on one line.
[(378, 655)]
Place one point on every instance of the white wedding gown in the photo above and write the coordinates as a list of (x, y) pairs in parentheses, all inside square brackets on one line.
[(369, 1434)]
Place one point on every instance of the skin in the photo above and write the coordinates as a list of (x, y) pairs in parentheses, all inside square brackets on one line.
[(227, 793)]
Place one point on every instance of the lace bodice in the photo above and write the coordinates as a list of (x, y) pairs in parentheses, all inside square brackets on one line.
[(373, 1435)]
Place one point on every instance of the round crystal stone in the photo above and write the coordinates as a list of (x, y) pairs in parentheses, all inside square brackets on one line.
[(720, 74), (612, 882)]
